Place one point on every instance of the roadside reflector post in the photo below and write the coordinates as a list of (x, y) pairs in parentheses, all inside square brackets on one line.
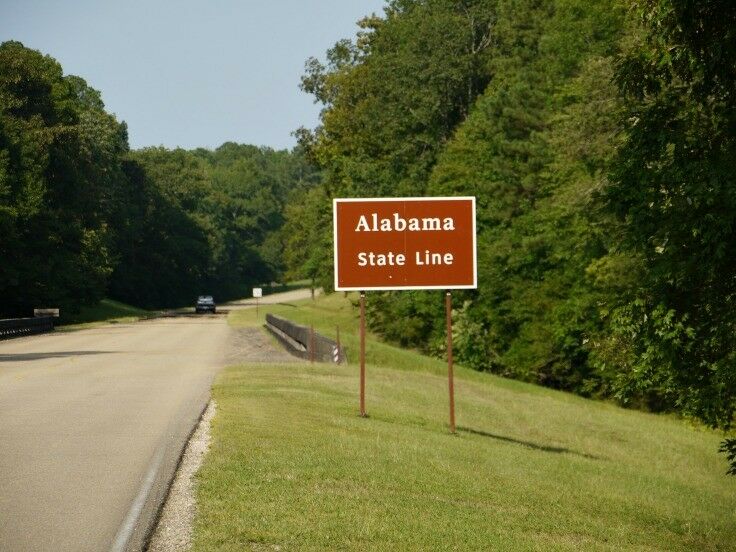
[(450, 375), (257, 294), (311, 343), (337, 341), (362, 354)]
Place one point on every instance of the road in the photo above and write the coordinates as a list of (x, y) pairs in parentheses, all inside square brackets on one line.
[(284, 297), (84, 417), (92, 424)]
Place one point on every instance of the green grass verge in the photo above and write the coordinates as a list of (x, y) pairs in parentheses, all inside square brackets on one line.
[(292, 465), (106, 311), (328, 313), (269, 289)]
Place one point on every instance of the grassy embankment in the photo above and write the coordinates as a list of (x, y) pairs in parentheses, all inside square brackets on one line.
[(293, 466), (269, 289), (106, 311)]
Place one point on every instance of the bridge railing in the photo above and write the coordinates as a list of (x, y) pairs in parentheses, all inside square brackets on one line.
[(16, 327), (299, 342)]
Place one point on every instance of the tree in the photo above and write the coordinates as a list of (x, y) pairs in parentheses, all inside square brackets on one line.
[(307, 248), (58, 156), (204, 221), (533, 150), (673, 188), (393, 97)]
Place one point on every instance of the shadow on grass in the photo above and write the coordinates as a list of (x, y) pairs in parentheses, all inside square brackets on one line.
[(22, 357), (528, 444)]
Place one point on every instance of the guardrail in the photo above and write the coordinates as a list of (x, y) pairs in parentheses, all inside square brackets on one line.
[(16, 327), (298, 340)]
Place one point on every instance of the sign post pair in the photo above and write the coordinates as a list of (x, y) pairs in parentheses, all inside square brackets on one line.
[(403, 244)]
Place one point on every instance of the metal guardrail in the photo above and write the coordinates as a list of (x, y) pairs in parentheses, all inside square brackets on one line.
[(16, 327), (298, 340)]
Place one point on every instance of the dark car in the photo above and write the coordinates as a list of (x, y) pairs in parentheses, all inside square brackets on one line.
[(205, 303)]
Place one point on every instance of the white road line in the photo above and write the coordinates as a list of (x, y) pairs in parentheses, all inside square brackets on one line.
[(128, 526)]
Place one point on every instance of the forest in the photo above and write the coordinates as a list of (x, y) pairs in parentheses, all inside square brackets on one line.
[(83, 217), (599, 139)]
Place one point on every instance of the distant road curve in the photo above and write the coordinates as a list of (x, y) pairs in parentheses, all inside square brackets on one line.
[(284, 297)]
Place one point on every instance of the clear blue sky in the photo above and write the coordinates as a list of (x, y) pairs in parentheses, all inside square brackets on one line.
[(191, 73)]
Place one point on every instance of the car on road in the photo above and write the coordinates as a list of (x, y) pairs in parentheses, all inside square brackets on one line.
[(205, 303)]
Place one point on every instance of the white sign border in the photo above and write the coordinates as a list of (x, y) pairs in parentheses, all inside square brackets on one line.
[(336, 200)]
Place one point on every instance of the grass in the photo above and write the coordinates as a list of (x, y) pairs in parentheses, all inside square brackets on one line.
[(269, 289), (333, 311), (293, 467), (106, 311)]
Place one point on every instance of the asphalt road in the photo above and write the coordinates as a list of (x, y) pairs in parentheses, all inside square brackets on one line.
[(92, 423), (284, 297)]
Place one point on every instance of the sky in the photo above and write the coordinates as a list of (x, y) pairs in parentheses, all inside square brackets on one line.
[(191, 73)]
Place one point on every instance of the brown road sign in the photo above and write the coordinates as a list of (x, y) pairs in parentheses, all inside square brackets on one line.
[(405, 243)]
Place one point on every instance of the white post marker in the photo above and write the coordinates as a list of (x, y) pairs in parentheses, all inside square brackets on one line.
[(257, 293), (37, 313)]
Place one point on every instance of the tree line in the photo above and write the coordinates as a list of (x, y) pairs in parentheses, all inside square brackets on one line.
[(598, 138), (83, 217)]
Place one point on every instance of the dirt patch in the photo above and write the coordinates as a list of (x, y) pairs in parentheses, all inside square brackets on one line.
[(255, 345)]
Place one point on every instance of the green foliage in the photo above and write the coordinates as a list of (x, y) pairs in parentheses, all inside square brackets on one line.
[(80, 215), (59, 156), (393, 97), (160, 248), (673, 189), (410, 318), (728, 447), (537, 306), (307, 247), (531, 139), (601, 151), (212, 222)]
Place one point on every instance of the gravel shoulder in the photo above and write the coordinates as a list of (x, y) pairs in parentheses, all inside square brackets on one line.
[(251, 344), (173, 532)]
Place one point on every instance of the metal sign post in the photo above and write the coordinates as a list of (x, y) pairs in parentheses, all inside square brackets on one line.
[(450, 373), (362, 354)]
